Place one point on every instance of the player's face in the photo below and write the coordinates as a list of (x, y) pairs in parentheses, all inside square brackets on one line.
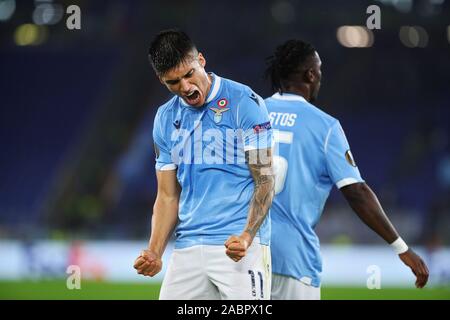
[(317, 73), (189, 80)]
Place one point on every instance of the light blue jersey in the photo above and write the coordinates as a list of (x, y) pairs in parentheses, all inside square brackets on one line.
[(311, 155), (206, 146)]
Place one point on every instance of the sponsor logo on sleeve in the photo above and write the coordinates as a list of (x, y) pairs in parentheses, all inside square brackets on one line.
[(262, 127)]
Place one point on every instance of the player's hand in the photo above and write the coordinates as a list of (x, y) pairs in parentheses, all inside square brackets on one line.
[(236, 246), (148, 263), (418, 267)]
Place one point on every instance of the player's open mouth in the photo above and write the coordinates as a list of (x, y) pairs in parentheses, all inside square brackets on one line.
[(193, 98)]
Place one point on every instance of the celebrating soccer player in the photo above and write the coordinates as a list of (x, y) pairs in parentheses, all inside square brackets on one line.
[(215, 180)]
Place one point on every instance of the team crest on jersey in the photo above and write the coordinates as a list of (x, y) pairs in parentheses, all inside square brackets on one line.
[(218, 113), (349, 158)]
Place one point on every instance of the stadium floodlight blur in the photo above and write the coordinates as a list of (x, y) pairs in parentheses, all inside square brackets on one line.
[(30, 34), (403, 6), (48, 13), (76, 111), (7, 8), (355, 37), (283, 12), (413, 36)]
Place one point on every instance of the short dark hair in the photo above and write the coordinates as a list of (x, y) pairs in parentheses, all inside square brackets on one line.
[(288, 59), (168, 49)]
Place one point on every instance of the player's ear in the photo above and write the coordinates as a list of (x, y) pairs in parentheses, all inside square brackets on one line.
[(309, 75), (201, 59)]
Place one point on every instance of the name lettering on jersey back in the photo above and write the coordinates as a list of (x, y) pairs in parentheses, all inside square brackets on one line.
[(282, 119)]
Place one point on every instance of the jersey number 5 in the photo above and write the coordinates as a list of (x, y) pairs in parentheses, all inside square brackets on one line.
[(280, 164)]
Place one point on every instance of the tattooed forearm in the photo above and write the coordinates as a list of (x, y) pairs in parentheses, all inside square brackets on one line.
[(260, 165)]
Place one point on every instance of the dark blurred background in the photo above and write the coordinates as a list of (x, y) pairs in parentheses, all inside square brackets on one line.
[(77, 106)]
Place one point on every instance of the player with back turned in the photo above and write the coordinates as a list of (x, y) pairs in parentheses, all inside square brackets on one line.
[(313, 155)]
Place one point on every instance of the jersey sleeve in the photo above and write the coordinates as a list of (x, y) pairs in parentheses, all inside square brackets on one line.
[(341, 166), (163, 158), (253, 120)]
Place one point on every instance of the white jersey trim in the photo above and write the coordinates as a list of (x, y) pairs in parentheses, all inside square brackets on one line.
[(325, 147), (346, 182), (250, 147), (215, 88), (288, 97), (168, 167), (183, 103)]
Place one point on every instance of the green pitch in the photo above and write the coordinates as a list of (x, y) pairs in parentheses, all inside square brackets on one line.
[(56, 289)]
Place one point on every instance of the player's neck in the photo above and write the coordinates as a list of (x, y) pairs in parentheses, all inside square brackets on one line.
[(304, 92)]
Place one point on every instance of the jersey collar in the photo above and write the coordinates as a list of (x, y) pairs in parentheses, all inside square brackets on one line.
[(213, 91), (215, 88), (288, 97)]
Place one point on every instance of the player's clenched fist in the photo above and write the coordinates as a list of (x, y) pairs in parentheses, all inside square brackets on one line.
[(148, 263), (236, 246)]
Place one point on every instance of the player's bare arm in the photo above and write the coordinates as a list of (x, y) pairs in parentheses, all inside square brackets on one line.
[(260, 165), (366, 205), (164, 220)]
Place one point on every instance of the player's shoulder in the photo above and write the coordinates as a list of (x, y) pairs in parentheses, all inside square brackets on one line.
[(233, 86), (241, 92), (320, 114), (165, 116), (168, 108), (318, 119)]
